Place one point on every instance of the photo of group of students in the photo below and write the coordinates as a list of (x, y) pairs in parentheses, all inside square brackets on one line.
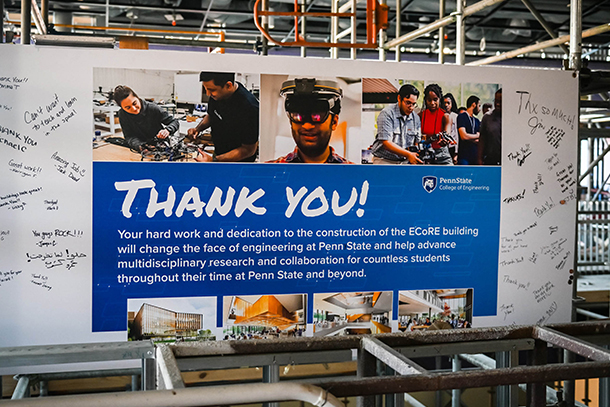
[(434, 309), (425, 126), (299, 119)]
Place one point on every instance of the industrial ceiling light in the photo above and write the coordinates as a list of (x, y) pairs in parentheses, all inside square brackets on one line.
[(173, 17)]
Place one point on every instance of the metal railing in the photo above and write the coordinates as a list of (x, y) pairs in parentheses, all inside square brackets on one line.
[(388, 365)]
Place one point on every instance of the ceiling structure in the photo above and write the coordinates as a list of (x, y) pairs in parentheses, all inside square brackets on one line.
[(505, 26)]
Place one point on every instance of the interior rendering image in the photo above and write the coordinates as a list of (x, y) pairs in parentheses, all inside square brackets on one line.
[(352, 313)]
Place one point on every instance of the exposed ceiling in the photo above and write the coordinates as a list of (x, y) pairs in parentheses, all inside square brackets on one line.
[(499, 28)]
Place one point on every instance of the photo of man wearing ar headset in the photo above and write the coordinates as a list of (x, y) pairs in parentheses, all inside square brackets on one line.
[(313, 108)]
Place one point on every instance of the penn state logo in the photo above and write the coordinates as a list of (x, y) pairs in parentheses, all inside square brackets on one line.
[(429, 183)]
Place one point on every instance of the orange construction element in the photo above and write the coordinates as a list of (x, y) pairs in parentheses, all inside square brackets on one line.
[(376, 19)]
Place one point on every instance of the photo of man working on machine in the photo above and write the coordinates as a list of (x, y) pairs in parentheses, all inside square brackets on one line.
[(233, 119)]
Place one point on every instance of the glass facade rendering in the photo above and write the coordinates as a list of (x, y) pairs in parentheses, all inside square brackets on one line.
[(152, 321)]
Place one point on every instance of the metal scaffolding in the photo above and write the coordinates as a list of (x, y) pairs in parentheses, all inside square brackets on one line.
[(386, 367)]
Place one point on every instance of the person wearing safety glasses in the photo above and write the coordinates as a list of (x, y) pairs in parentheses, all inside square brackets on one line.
[(313, 108), (398, 130)]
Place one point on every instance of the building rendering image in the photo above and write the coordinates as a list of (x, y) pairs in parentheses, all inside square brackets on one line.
[(264, 316), (152, 321), (352, 313)]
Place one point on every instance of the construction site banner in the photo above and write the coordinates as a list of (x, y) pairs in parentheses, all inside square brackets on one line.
[(149, 195)]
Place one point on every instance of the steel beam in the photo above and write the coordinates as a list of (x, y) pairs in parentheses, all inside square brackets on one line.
[(584, 133), (382, 38), (507, 396), (575, 35), (271, 374), (2, 34), (396, 361), (460, 34), (303, 28), (168, 373), (572, 344), (412, 401), (601, 104), (26, 21), (536, 390), (76, 353), (265, 21), (245, 360), (411, 339), (569, 386), (367, 367), (549, 30), (149, 374), (22, 388), (441, 33), (397, 56), (540, 45), (594, 164), (87, 374), (464, 379), (604, 391), (450, 19), (205, 18), (477, 336), (456, 394)]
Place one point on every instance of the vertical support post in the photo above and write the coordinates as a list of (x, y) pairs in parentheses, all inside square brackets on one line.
[(265, 7), (44, 10), (441, 33), (569, 386), (304, 28), (367, 367), (271, 374), (44, 388), (438, 395), (604, 392), (575, 34), (537, 391), (590, 175), (456, 366), (22, 390), (26, 22), (1, 41), (382, 34), (334, 28), (398, 22), (107, 16), (135, 382), (354, 24), (507, 396), (502, 392), (149, 374), (460, 39)]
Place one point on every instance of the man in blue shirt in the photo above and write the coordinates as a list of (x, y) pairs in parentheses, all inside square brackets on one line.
[(398, 128), (468, 129)]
